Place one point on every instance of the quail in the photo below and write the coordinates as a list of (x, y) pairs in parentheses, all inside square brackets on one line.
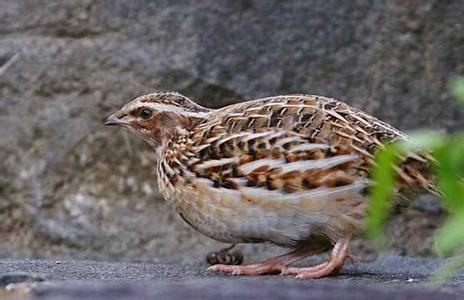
[(288, 170)]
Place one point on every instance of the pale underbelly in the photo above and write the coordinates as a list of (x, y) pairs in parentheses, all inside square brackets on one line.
[(234, 216)]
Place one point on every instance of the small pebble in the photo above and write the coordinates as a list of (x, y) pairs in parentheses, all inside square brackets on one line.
[(22, 287)]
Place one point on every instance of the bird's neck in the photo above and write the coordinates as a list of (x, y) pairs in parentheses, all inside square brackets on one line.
[(181, 127)]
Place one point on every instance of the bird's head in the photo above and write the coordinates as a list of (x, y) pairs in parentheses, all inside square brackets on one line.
[(159, 117)]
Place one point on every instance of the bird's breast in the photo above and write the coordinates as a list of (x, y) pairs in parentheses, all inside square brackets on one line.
[(257, 214)]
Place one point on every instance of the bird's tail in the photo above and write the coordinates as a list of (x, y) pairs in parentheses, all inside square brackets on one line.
[(415, 173)]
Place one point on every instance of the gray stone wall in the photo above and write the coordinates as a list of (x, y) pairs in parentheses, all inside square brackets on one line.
[(70, 187)]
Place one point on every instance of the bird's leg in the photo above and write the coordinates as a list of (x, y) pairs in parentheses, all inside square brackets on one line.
[(337, 258), (273, 265)]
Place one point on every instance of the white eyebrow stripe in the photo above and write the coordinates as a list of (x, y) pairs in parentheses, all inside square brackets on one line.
[(166, 107)]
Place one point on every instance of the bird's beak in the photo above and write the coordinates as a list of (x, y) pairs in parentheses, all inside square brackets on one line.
[(116, 119)]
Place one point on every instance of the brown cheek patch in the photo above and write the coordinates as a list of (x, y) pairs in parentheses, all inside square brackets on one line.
[(136, 125), (151, 124)]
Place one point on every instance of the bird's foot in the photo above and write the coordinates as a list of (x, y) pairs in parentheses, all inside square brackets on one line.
[(252, 269), (225, 257), (276, 265), (333, 266)]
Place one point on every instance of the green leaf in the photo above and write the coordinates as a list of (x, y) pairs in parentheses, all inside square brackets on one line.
[(450, 172), (457, 87), (448, 166), (423, 140), (383, 176), (449, 270), (451, 234), (450, 169)]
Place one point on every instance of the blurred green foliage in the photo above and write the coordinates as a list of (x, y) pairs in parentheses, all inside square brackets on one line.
[(448, 151)]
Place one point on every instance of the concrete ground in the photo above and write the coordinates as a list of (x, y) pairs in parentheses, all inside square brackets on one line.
[(388, 277)]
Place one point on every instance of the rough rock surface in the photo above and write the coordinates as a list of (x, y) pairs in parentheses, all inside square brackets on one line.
[(388, 277), (70, 187)]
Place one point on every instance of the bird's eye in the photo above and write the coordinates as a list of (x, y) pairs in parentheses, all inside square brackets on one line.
[(145, 113)]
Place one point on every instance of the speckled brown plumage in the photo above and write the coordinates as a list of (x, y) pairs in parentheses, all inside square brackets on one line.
[(290, 170)]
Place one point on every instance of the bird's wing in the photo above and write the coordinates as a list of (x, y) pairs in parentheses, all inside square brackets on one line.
[(283, 145), (290, 143)]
